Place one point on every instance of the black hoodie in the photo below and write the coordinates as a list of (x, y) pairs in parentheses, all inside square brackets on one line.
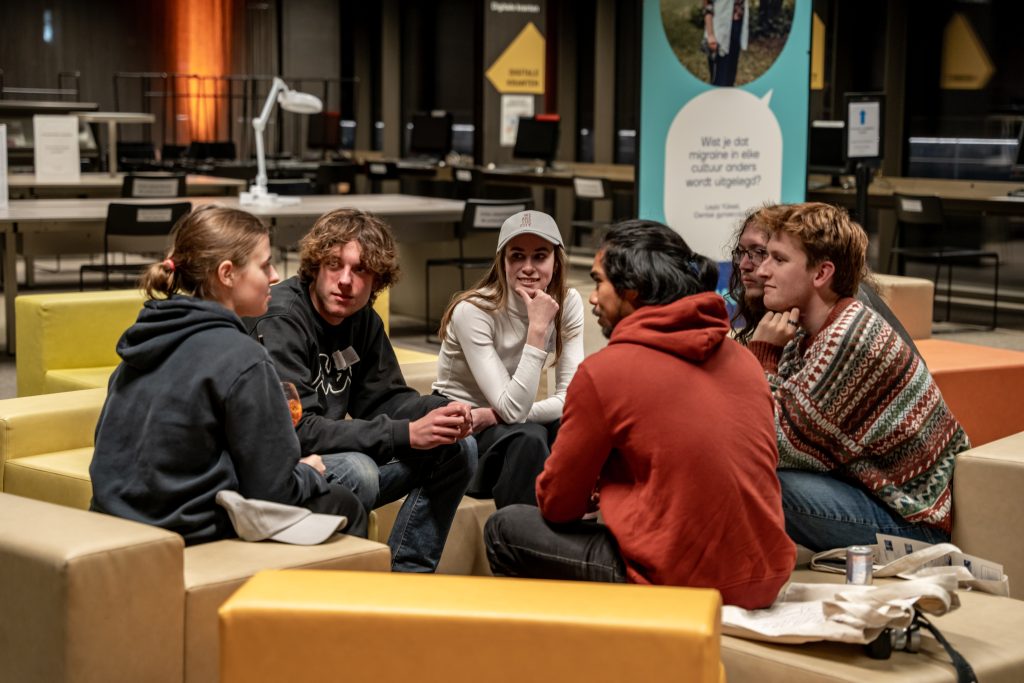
[(195, 407), (368, 386)]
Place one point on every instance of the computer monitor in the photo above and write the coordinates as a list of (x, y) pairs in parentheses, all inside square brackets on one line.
[(324, 131), (537, 138), (827, 148), (1017, 170), (431, 135)]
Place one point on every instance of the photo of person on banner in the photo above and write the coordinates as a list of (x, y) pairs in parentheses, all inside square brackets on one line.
[(726, 33), (727, 42)]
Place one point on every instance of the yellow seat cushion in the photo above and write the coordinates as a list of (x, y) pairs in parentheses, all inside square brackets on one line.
[(77, 378), (283, 626), (61, 477)]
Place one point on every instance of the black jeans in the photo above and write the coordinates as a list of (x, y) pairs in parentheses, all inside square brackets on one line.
[(511, 457), (723, 69), (340, 501), (520, 543)]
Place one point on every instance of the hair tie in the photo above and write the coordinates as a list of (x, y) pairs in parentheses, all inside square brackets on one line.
[(168, 265)]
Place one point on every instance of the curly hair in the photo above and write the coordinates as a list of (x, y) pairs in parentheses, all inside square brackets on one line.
[(200, 242), (341, 226)]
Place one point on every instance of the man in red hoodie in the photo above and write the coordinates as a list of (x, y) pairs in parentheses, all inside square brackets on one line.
[(668, 431)]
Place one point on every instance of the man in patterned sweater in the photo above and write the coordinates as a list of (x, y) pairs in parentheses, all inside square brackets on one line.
[(866, 442)]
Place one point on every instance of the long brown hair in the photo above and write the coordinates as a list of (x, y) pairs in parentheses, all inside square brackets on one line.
[(765, 218), (491, 292), (201, 240)]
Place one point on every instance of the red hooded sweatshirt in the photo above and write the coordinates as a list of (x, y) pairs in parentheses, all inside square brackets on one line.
[(672, 423)]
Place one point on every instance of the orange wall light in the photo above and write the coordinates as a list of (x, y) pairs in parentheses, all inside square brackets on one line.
[(201, 46)]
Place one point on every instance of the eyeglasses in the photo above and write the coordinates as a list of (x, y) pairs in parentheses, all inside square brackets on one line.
[(757, 255)]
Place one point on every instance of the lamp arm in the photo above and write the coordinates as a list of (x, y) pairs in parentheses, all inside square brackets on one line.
[(260, 124)]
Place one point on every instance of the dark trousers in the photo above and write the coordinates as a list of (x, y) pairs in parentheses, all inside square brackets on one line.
[(723, 69), (340, 501), (511, 457), (520, 543)]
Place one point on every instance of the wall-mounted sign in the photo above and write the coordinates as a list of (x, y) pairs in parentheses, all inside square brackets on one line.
[(965, 61), (513, 108), (520, 68)]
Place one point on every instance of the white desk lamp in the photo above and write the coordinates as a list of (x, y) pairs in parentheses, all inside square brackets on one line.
[(290, 100)]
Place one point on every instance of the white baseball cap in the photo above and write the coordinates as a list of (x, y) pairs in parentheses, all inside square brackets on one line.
[(531, 222), (260, 520)]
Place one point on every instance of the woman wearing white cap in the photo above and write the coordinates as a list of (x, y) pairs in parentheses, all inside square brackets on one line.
[(496, 338)]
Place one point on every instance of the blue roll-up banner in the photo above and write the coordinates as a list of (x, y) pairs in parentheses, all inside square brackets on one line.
[(710, 153)]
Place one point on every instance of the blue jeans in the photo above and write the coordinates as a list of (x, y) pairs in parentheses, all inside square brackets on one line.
[(520, 543), (823, 512), (433, 482)]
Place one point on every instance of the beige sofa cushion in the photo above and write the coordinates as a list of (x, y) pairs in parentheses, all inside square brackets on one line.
[(986, 630), (213, 571), (910, 299), (61, 477), (87, 597), (988, 500)]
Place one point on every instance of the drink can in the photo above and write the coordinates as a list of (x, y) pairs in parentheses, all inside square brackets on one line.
[(859, 564)]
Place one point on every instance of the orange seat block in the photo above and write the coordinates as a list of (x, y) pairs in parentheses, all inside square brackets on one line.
[(983, 386), (389, 628)]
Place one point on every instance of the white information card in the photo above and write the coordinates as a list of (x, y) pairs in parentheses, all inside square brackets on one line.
[(56, 148)]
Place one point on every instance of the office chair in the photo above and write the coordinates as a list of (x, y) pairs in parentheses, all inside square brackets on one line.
[(153, 186), (919, 236), (588, 191), (137, 229), (479, 215), (466, 183)]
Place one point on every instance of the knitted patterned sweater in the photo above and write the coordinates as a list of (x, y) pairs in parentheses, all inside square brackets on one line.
[(856, 401)]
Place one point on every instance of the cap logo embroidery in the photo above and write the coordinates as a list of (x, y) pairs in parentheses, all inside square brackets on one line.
[(526, 221)]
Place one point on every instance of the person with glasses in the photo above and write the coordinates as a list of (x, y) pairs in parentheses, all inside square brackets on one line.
[(746, 287)]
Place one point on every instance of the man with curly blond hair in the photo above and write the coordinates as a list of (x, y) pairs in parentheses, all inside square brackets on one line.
[(376, 435), (866, 443)]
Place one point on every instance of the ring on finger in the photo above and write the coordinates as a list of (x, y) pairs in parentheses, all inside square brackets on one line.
[(793, 323)]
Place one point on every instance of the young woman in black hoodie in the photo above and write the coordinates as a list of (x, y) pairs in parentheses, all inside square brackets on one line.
[(196, 406)]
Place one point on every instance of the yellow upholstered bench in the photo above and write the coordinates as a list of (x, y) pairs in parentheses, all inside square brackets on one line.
[(320, 626), (67, 341)]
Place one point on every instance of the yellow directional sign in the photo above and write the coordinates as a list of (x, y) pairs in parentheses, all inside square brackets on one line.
[(965, 62), (520, 68), (817, 53)]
